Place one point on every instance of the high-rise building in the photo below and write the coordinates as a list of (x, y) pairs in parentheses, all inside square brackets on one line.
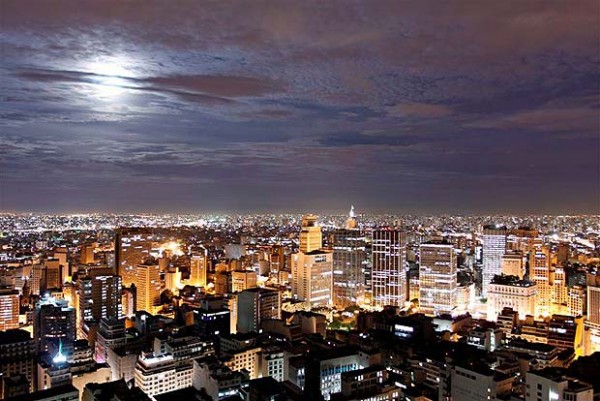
[(542, 275), (256, 305), (9, 309), (576, 300), (17, 355), (198, 269), (559, 287), (147, 284), (98, 298), (494, 247), (388, 273), (86, 254), (132, 247), (311, 238), (312, 277), (512, 264), (437, 278), (349, 264), (53, 325), (593, 316), (242, 280)]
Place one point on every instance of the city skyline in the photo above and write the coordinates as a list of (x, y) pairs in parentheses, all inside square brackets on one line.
[(421, 108)]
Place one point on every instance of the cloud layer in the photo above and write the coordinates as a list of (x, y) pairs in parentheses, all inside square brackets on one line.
[(300, 106)]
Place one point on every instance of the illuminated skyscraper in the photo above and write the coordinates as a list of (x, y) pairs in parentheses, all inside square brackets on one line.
[(9, 309), (256, 305), (312, 277), (86, 255), (132, 247), (242, 280), (147, 283), (98, 297), (542, 275), (512, 264), (494, 247), (388, 275), (54, 323), (198, 269), (311, 237), (437, 278), (349, 265), (312, 268)]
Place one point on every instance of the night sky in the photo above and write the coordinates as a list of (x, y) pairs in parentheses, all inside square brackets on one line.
[(407, 107)]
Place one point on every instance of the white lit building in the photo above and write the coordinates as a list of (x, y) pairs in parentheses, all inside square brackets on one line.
[(388, 274), (160, 374), (494, 247), (437, 278), (509, 292)]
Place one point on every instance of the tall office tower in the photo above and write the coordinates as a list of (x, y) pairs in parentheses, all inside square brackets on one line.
[(38, 275), (56, 273), (576, 300), (97, 298), (437, 278), (172, 279), (541, 274), (349, 265), (9, 309), (17, 355), (512, 264), (132, 247), (198, 269), (242, 280), (86, 254), (593, 318), (54, 323), (256, 305), (147, 283), (312, 277), (521, 239), (388, 274), (559, 289), (494, 247), (311, 238)]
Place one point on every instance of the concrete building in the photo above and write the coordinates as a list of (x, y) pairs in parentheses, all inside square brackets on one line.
[(324, 370), (512, 264), (160, 374), (216, 379), (198, 269), (9, 309), (511, 292), (479, 383), (242, 280), (148, 285), (388, 274), (494, 247), (255, 305), (311, 238), (60, 393), (350, 262), (54, 324), (551, 384), (541, 274), (312, 277), (438, 282), (17, 355)]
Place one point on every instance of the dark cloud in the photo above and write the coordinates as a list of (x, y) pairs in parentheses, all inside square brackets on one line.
[(422, 106)]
